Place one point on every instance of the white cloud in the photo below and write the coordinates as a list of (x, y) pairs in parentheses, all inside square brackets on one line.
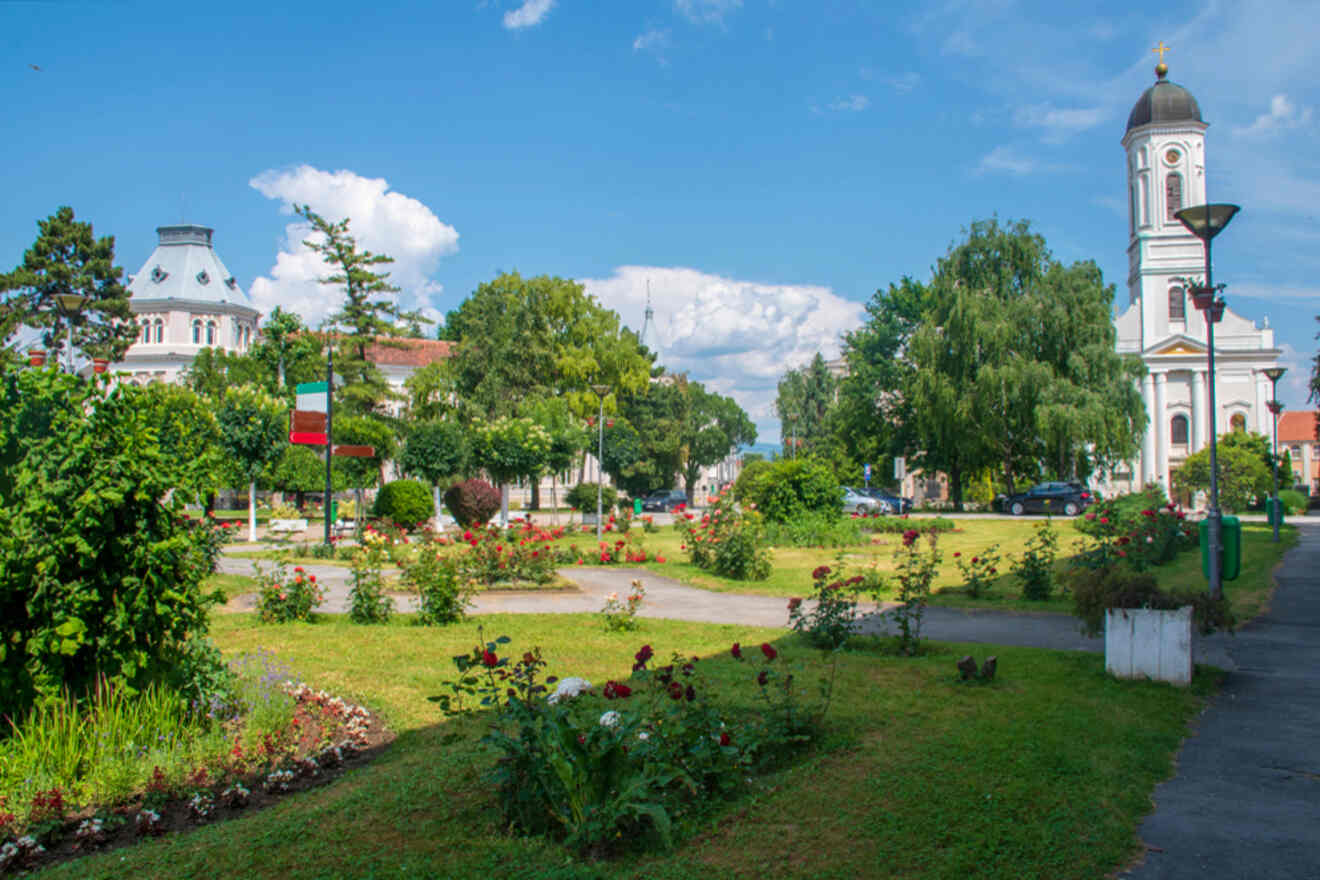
[(851, 104), (1008, 160), (383, 222), (654, 40), (1275, 292), (530, 14), (1295, 386), (736, 336), (1058, 123), (1282, 115), (706, 11), (904, 83)]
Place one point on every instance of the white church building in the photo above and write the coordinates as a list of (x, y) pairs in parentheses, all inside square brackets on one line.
[(1166, 171)]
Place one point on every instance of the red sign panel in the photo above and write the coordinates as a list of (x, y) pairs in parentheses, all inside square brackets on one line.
[(306, 421), (307, 438), (354, 451)]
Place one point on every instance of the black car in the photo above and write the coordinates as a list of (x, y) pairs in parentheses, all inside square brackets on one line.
[(1069, 499), (664, 501), (890, 502)]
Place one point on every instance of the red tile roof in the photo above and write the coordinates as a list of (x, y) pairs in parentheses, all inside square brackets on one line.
[(416, 353), (1297, 426)]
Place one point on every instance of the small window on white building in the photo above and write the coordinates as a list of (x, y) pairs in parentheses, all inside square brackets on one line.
[(160, 329), (1177, 304), (197, 332), (247, 336), (1238, 423), (146, 331), (1173, 195), (1178, 430), (210, 332)]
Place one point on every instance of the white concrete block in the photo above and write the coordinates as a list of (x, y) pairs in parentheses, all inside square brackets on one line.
[(1142, 643)]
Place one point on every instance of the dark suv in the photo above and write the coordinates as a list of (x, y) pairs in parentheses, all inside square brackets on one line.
[(1068, 499), (664, 501)]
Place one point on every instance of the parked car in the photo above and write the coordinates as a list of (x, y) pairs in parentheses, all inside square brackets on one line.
[(854, 501), (664, 500), (1069, 498), (889, 502)]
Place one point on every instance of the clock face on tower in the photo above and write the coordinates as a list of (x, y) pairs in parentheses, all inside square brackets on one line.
[(1172, 156)]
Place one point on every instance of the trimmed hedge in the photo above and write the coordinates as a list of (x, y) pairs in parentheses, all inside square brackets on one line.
[(472, 502), (583, 497), (406, 503)]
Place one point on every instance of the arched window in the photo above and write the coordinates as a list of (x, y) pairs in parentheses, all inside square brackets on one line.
[(197, 332), (210, 332), (160, 329), (1178, 430), (238, 335), (146, 331), (1172, 195), (1238, 423), (1177, 304)]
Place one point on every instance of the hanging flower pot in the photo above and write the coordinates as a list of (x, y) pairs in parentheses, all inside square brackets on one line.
[(100, 365), (37, 357)]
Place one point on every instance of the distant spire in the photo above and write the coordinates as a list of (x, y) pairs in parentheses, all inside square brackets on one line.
[(647, 336)]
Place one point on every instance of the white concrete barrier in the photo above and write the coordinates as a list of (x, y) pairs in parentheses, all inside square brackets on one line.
[(1143, 643), (287, 525)]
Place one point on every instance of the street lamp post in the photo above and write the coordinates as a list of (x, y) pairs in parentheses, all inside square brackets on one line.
[(1275, 374), (1205, 222), (70, 305), (601, 391)]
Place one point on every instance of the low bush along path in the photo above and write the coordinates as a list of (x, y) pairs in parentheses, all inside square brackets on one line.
[(667, 598)]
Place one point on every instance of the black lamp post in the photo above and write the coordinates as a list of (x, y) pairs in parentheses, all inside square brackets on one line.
[(601, 391), (70, 306), (1275, 374), (1205, 222)]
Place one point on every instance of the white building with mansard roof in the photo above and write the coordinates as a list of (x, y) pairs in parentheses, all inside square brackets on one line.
[(1166, 164), (184, 300)]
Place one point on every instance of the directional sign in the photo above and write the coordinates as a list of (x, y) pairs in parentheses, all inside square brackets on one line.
[(307, 428), (355, 451), (312, 397), (900, 467)]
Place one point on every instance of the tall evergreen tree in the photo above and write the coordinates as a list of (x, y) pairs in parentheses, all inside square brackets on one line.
[(65, 259)]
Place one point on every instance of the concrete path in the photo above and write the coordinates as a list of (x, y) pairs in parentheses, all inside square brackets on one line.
[(1245, 802)]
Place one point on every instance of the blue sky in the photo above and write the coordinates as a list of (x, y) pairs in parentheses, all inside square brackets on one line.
[(765, 164)]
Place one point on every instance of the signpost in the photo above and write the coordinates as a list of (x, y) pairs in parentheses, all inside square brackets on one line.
[(866, 474), (309, 425), (900, 467)]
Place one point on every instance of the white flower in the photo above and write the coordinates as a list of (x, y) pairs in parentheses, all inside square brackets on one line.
[(643, 736), (610, 719), (567, 688)]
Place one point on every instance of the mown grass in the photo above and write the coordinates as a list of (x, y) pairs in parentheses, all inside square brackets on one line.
[(1043, 773)]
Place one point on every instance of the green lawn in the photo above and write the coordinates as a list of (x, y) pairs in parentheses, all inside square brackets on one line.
[(1044, 773)]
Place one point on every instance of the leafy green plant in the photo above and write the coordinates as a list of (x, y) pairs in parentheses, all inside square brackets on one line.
[(443, 591), (727, 540), (282, 597), (833, 614), (916, 569), (406, 503), (815, 530), (1293, 502), (368, 601), (979, 571), (1035, 567), (583, 497), (620, 615), (1096, 591), (99, 573), (790, 488)]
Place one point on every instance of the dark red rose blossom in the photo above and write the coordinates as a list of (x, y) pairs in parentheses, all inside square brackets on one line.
[(644, 654), (736, 651), (820, 573), (616, 690), (762, 678), (794, 603), (909, 537), (724, 738), (688, 669), (769, 651), (488, 659), (690, 692), (675, 691)]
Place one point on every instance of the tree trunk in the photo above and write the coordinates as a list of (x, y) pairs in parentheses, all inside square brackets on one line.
[(504, 505), (554, 498), (535, 503), (435, 499), (252, 511), (955, 485)]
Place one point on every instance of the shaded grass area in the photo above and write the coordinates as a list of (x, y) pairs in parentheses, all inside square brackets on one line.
[(230, 584), (1043, 773)]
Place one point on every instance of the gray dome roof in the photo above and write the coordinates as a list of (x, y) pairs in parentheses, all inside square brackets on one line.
[(1164, 102)]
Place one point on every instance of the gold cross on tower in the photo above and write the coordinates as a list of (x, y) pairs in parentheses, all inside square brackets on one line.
[(1160, 50)]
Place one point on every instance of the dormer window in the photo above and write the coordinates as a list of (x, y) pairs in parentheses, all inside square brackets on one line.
[(231, 283), (203, 279), (158, 274)]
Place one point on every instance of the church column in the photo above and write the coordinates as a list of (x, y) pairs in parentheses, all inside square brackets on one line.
[(1161, 424), (1263, 419), (1148, 439), (1198, 411)]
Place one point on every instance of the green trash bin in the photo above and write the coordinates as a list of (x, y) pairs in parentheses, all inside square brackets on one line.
[(1274, 511), (637, 507), (334, 510), (1231, 559)]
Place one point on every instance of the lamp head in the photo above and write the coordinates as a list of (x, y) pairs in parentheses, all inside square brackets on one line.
[(1275, 373), (70, 303), (1206, 221), (601, 390)]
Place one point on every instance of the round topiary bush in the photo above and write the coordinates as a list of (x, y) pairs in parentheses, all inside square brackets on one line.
[(472, 502), (793, 487), (406, 503), (1293, 502), (583, 497)]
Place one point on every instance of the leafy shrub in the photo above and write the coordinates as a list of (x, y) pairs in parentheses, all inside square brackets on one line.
[(367, 600), (472, 502), (916, 570), (727, 540), (621, 614), (742, 487), (281, 598), (1293, 502), (897, 525), (790, 488), (493, 556), (1139, 528), (1095, 591), (98, 574), (443, 592), (583, 497), (830, 621), (404, 503), (1035, 567), (814, 530), (979, 571)]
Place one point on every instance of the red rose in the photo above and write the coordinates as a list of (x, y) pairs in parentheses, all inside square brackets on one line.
[(736, 651), (614, 689), (488, 659), (762, 678), (794, 603), (768, 650), (820, 573), (909, 537), (690, 693), (675, 691), (724, 738), (644, 654)]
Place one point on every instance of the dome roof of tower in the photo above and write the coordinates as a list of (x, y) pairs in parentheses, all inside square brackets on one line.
[(1164, 102), (184, 266)]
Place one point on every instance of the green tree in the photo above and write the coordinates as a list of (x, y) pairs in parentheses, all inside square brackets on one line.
[(713, 427), (289, 351), (253, 432), (369, 316), (1243, 477), (437, 452), (431, 392), (805, 397), (300, 469), (67, 259), (568, 439), (188, 434), (510, 449)]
